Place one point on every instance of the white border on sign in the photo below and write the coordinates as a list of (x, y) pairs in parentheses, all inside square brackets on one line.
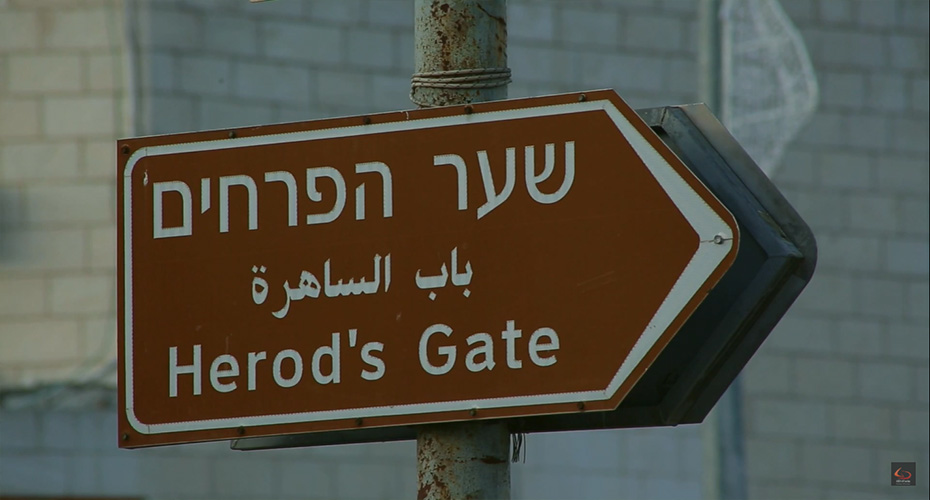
[(696, 211)]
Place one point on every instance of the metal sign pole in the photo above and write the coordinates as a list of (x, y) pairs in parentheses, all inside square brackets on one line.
[(460, 55)]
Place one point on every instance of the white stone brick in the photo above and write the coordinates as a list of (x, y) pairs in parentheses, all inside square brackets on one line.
[(34, 161), (393, 13), (102, 241), (72, 203), (229, 34), (880, 297), (887, 92), (910, 134), (923, 384), (900, 174), (860, 338), (342, 87), (19, 118), (82, 28), (800, 11), (205, 75), (20, 430), (849, 253), (825, 129), (913, 14), (656, 445), (82, 294), (230, 113), (908, 341), (850, 49), (39, 342), (796, 332), (159, 71), (530, 21), (167, 114), (22, 296), (289, 10), (529, 63), (884, 381), (919, 99), (19, 30), (918, 299), (770, 374), (380, 481), (680, 77), (914, 217), (650, 33), (289, 84), (824, 378), (908, 52), (342, 12), (243, 477), (302, 42), (907, 257), (99, 159), (621, 72), (40, 475), (846, 464), (58, 430), (823, 210), (845, 170), (868, 131), (830, 292), (98, 344), (533, 64), (403, 46), (589, 27), (873, 212), (370, 49), (835, 12), (45, 250), (176, 29), (80, 116), (846, 89), (190, 476), (797, 168), (787, 417), (105, 72), (390, 93), (36, 74), (862, 422), (913, 425), (766, 459), (876, 13)]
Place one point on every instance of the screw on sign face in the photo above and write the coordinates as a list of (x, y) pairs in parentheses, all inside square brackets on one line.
[(530, 257)]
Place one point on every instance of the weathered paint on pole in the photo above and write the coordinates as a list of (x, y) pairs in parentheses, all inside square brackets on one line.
[(463, 460), (460, 52), (460, 57)]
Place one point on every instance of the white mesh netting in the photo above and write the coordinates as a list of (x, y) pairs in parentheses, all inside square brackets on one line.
[(769, 89)]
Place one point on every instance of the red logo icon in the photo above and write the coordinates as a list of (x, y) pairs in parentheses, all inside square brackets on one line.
[(903, 475)]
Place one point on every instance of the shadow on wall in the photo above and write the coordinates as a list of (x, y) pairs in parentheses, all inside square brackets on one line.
[(10, 219)]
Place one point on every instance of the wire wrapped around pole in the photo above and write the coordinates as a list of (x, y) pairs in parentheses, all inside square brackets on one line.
[(475, 78)]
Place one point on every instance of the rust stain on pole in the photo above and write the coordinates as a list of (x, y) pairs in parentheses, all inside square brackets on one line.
[(456, 35), (463, 461), (460, 57)]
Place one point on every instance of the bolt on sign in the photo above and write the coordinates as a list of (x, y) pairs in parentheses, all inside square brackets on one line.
[(511, 258)]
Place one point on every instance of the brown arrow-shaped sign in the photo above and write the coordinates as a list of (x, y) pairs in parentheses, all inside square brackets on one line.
[(504, 259)]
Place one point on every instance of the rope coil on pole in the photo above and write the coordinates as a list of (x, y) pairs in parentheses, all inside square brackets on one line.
[(474, 78)]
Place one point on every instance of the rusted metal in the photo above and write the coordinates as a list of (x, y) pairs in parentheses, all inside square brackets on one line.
[(463, 460), (452, 37)]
